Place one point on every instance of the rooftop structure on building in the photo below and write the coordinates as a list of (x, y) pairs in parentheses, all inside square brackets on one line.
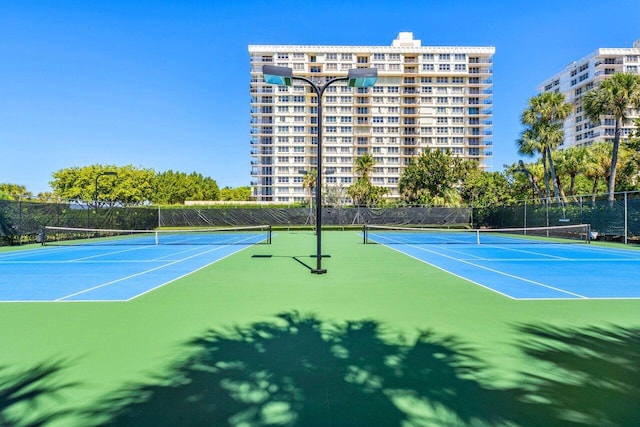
[(583, 75), (426, 97)]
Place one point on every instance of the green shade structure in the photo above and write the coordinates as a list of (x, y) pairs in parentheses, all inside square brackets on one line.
[(356, 77)]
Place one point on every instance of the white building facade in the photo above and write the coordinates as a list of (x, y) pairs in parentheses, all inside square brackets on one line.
[(583, 75), (426, 97)]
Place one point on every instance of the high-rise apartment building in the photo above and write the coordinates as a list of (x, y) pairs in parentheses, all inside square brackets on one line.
[(425, 97), (583, 75)]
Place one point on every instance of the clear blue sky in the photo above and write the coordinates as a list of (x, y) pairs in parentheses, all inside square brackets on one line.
[(165, 84)]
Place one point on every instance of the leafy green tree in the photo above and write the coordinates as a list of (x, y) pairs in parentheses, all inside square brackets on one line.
[(15, 191), (627, 170), (614, 96), (47, 197), (543, 121), (634, 139), (176, 187), (524, 179), (480, 188), (125, 185), (133, 186), (237, 194), (432, 178), (363, 193)]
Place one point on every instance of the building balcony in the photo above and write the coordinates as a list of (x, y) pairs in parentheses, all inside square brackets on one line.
[(480, 61)]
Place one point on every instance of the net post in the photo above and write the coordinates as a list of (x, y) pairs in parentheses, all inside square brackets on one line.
[(269, 234), (364, 234), (157, 238), (42, 237), (477, 236)]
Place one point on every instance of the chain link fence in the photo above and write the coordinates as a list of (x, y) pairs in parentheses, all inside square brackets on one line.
[(22, 221), (616, 221)]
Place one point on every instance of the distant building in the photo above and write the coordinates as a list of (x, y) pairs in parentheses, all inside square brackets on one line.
[(583, 75), (425, 97)]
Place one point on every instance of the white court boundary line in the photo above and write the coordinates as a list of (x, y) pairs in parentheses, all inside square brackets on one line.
[(122, 279), (64, 299), (502, 273), (487, 269)]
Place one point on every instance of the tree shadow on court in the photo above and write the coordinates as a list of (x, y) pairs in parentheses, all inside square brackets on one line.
[(301, 371), (582, 377), (22, 395)]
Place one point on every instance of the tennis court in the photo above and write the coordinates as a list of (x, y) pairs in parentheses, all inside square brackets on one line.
[(539, 265), (381, 339), (114, 265)]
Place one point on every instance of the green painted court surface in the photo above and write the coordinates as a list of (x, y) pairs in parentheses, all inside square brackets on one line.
[(381, 339)]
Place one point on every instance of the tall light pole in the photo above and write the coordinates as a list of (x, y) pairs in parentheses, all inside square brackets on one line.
[(356, 77)]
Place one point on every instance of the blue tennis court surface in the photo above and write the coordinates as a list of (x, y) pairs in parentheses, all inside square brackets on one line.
[(533, 270), (101, 273)]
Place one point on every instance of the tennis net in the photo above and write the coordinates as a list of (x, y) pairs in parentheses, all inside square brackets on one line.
[(197, 236), (414, 235)]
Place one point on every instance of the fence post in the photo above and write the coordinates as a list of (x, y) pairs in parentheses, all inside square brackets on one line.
[(548, 202), (626, 219), (19, 219)]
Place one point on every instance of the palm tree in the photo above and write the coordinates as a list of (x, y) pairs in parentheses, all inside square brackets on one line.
[(309, 181), (364, 166), (544, 119), (570, 163), (362, 191), (613, 97), (596, 167), (528, 146), (531, 177)]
